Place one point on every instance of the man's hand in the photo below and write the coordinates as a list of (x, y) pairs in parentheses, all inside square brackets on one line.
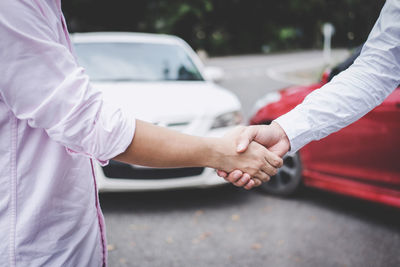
[(256, 161), (272, 136)]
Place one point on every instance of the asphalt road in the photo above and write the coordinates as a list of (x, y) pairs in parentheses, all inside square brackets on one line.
[(226, 226)]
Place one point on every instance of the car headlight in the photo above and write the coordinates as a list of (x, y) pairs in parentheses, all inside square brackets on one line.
[(228, 119), (265, 100)]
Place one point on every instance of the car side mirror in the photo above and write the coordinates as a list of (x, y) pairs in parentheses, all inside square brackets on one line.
[(214, 74)]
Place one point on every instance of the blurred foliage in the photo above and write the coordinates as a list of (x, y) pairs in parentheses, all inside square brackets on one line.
[(234, 26)]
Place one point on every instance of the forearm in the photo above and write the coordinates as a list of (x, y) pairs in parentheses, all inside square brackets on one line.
[(160, 147), (354, 92), (336, 105)]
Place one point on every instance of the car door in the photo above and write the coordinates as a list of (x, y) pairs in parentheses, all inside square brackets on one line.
[(367, 151)]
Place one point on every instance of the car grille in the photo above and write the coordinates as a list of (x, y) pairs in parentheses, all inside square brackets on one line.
[(118, 170)]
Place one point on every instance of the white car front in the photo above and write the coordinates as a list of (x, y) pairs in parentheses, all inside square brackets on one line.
[(157, 78)]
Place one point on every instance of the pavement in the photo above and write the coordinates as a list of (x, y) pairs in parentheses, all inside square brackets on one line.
[(227, 226)]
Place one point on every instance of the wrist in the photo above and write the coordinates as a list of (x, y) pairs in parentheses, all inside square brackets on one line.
[(281, 134), (212, 153)]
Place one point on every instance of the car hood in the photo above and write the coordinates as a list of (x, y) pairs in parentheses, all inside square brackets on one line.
[(290, 98), (157, 101)]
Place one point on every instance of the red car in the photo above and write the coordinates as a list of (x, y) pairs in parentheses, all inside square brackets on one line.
[(361, 160)]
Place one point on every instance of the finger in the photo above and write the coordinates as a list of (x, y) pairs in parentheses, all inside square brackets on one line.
[(273, 159), (253, 182), (269, 170), (257, 182), (245, 138), (222, 174), (250, 184), (234, 176), (243, 180), (262, 176), (247, 177)]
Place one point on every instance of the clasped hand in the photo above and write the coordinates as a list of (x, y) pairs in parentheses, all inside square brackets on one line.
[(258, 154)]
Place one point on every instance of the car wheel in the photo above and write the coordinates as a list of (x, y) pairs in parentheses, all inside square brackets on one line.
[(288, 178)]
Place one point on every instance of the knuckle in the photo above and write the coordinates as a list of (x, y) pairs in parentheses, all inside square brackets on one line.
[(275, 163), (260, 164), (261, 175), (280, 163), (265, 178)]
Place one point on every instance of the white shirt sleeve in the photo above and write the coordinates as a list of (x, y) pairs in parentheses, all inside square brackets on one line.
[(354, 92)]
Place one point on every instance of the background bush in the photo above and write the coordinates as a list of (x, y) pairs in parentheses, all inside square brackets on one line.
[(231, 27)]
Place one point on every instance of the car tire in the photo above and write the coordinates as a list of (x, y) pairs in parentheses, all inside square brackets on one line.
[(288, 178)]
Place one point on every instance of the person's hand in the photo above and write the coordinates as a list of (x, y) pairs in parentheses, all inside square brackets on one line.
[(271, 136), (249, 167)]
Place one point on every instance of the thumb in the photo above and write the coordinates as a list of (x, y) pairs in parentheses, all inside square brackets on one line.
[(242, 145), (245, 139)]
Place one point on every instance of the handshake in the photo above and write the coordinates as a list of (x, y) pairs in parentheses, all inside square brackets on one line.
[(246, 156), (258, 154)]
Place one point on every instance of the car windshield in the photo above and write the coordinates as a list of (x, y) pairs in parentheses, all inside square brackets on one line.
[(136, 62)]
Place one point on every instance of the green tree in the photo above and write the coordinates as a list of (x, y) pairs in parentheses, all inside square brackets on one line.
[(231, 26)]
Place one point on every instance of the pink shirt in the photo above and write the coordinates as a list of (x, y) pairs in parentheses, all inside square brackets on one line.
[(52, 124)]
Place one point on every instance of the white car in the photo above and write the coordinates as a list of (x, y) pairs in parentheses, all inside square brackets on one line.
[(160, 79)]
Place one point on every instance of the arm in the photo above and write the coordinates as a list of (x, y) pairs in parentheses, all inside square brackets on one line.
[(354, 92), (348, 97), (43, 85), (160, 147)]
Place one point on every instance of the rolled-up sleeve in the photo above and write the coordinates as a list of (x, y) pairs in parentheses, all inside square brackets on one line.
[(354, 92), (42, 83)]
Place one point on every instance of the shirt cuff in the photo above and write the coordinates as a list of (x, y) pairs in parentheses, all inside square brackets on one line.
[(297, 129), (124, 140)]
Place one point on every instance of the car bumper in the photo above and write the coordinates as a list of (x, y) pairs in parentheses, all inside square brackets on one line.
[(208, 178)]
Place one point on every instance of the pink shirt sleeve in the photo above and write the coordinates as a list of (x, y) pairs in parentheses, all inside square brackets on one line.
[(42, 83)]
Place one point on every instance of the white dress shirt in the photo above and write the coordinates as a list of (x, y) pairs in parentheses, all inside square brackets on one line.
[(354, 92)]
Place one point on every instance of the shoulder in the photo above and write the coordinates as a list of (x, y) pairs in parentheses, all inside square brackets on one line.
[(21, 19)]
